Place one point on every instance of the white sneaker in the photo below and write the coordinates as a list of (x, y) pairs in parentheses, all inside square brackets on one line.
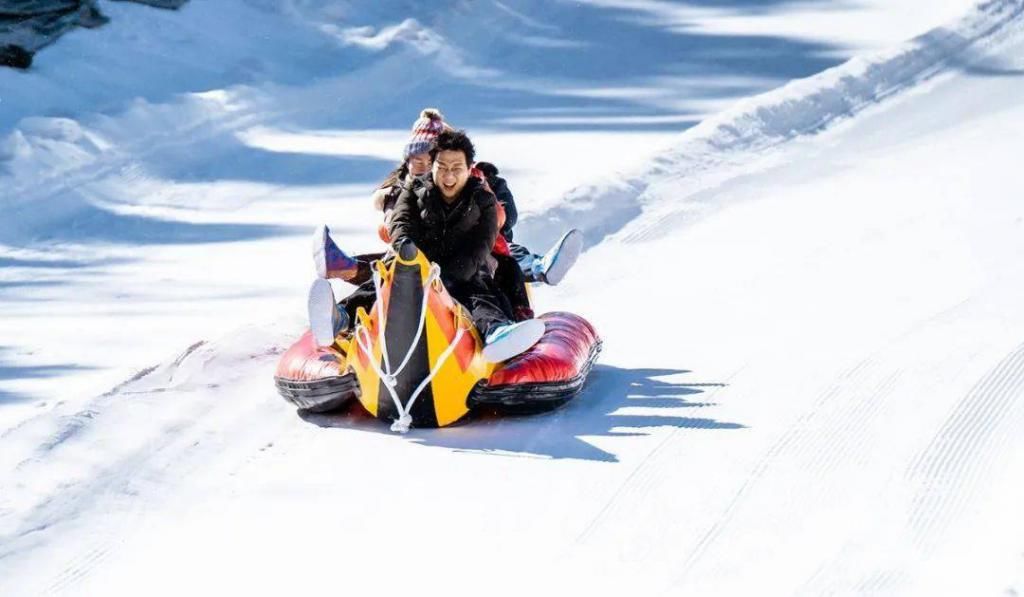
[(320, 236), (560, 258), (325, 318), (507, 341)]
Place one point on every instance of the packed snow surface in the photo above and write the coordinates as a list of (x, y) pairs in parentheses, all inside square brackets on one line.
[(806, 271)]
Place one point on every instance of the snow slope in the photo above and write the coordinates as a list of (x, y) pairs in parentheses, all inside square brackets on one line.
[(157, 174), (820, 394)]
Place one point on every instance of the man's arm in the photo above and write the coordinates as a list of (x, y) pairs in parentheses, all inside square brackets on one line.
[(405, 217)]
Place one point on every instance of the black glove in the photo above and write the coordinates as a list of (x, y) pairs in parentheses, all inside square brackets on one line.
[(405, 248)]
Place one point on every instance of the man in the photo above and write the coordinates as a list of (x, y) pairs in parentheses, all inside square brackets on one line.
[(452, 218), (515, 263)]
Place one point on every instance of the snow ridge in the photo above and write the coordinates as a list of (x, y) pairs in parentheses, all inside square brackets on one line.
[(711, 152)]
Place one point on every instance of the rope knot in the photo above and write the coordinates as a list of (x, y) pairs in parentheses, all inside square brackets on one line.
[(402, 424)]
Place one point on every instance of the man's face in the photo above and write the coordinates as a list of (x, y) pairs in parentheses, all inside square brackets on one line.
[(420, 164), (450, 173)]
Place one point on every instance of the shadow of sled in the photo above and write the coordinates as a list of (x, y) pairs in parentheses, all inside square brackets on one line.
[(552, 432)]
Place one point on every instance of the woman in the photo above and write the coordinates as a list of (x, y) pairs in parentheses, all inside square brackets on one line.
[(332, 262)]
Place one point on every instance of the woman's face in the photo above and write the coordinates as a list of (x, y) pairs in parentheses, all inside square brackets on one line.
[(420, 164)]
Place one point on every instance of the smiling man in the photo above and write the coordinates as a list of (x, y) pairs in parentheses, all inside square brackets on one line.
[(455, 224)]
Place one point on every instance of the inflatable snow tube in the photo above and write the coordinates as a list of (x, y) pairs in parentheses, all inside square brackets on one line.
[(415, 358), (315, 379), (547, 375)]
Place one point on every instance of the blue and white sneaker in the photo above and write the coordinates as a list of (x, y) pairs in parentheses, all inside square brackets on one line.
[(557, 262), (330, 261), (325, 318), (506, 341)]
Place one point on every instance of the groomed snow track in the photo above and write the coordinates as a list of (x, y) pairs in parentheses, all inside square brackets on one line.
[(820, 394)]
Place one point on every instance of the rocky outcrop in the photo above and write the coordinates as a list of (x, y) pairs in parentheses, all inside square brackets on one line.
[(26, 26)]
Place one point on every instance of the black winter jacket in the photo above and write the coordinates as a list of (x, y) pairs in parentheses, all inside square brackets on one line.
[(500, 188), (504, 196), (458, 239)]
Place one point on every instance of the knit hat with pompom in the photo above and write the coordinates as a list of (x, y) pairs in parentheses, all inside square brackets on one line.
[(425, 130)]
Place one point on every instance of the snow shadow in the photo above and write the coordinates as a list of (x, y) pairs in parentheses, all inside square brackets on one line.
[(615, 403), (54, 264), (976, 63), (14, 372), (234, 160), (83, 221), (541, 65), (138, 230), (19, 284)]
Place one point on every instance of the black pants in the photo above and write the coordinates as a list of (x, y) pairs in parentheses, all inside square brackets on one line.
[(365, 295), (526, 259), (364, 267), (487, 305), (480, 295), (509, 278)]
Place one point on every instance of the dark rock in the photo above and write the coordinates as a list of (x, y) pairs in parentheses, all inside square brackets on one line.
[(158, 3), (15, 56), (90, 17)]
